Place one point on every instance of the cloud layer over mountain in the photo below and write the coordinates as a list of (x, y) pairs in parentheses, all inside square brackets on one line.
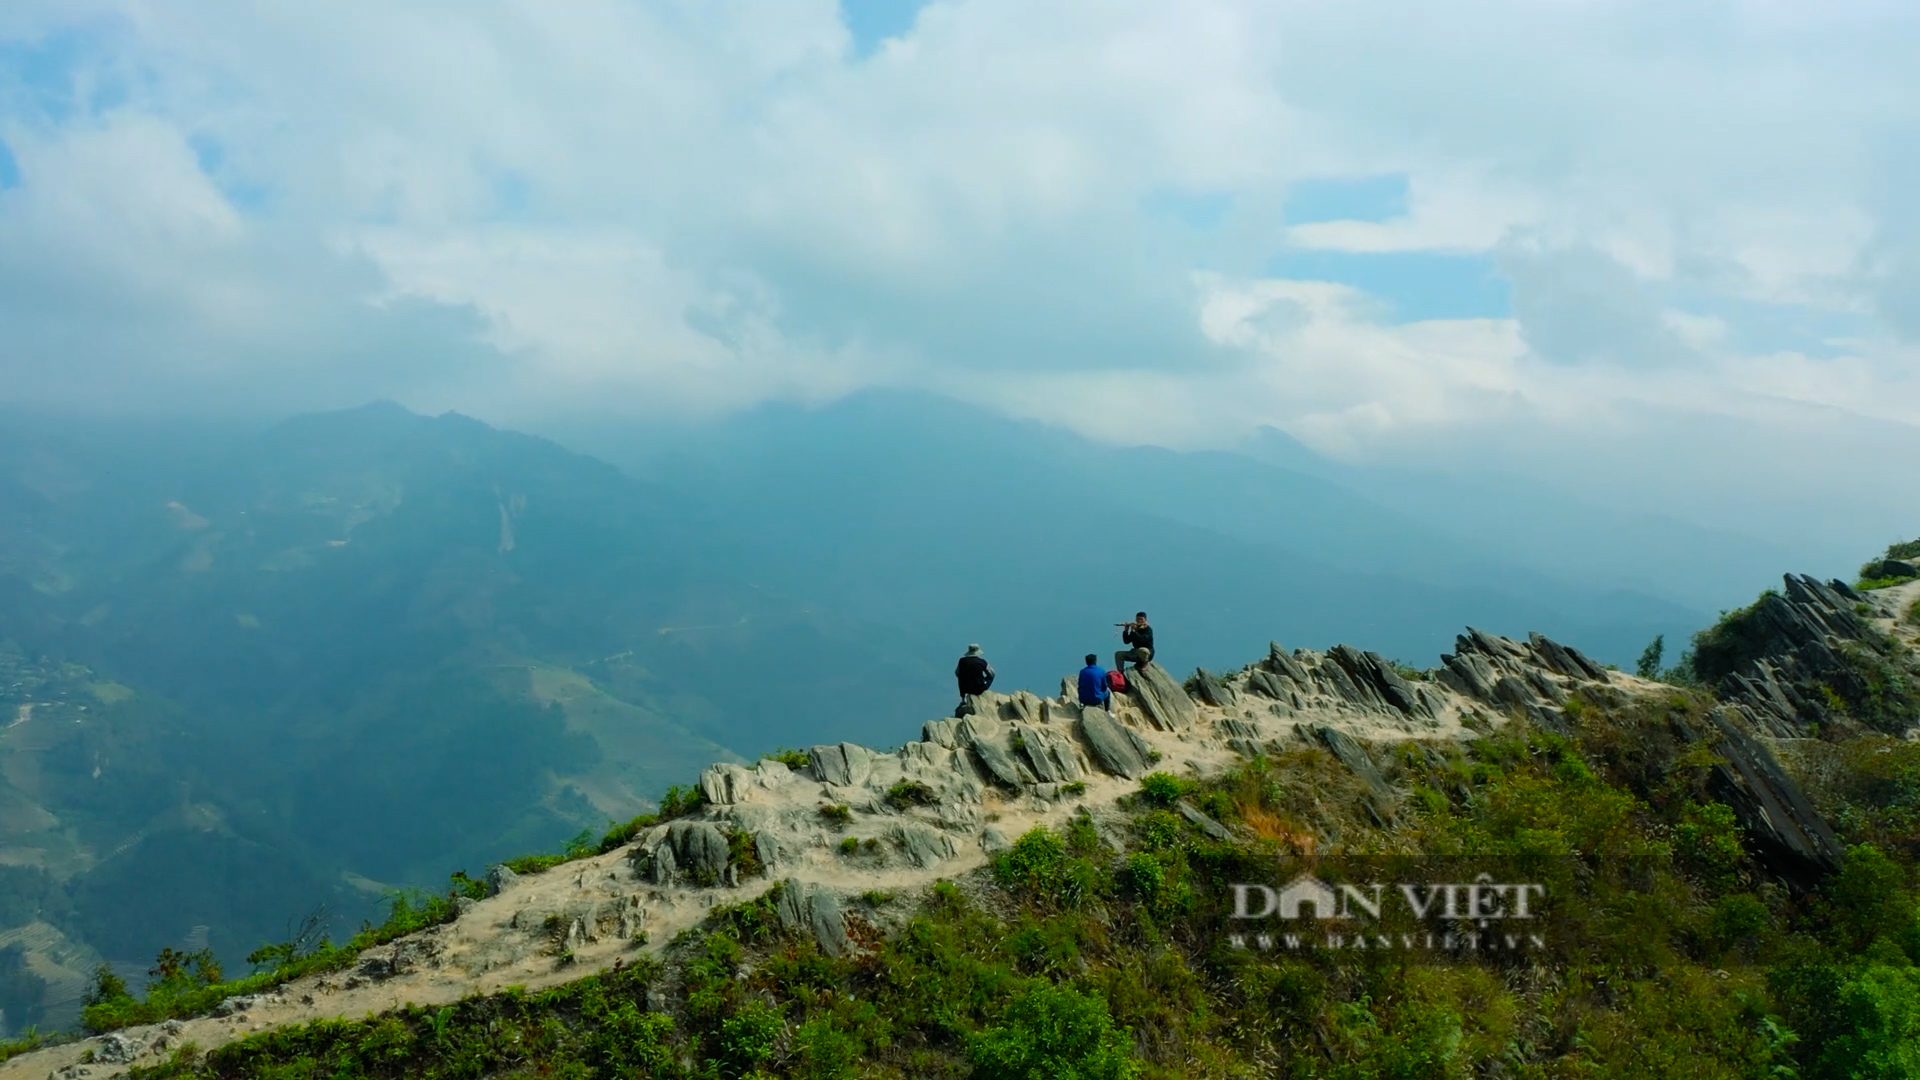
[(1595, 240)]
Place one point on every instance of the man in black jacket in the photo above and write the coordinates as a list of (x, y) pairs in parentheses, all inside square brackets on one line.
[(1139, 636), (975, 675)]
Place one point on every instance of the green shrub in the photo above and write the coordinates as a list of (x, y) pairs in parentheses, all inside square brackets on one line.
[(1878, 1027), (1739, 923), (1871, 903), (791, 758), (1648, 666), (681, 801), (743, 855), (1708, 840), (190, 984), (1730, 644), (1074, 787), (850, 846), (1034, 862), (621, 835), (597, 1026), (906, 793), (749, 1037), (1053, 1033), (1143, 876), (24, 1043), (837, 815), (1162, 789), (825, 1052)]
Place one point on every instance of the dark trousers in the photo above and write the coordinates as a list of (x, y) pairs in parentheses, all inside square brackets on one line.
[(1140, 658)]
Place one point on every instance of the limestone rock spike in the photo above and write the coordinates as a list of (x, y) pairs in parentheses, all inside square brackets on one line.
[(1211, 690), (1163, 700), (1114, 746)]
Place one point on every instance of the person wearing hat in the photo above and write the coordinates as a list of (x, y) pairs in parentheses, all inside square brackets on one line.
[(975, 675)]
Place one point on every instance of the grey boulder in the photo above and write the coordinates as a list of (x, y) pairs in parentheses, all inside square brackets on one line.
[(1116, 748), (1162, 699), (844, 764), (699, 848), (813, 910)]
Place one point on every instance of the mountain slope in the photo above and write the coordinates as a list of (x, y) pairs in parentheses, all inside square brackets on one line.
[(1689, 909), (372, 647)]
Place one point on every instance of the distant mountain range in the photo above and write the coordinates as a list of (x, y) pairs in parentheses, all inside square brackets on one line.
[(254, 670)]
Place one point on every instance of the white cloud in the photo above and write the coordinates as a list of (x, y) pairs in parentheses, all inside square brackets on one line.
[(522, 208)]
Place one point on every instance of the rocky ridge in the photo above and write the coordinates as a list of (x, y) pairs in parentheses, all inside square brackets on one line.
[(1813, 654), (856, 820)]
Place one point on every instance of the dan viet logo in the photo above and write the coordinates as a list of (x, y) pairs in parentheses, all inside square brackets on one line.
[(1475, 916)]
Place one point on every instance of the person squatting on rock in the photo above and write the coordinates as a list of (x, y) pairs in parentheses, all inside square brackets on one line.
[(1093, 684), (1139, 636), (975, 675)]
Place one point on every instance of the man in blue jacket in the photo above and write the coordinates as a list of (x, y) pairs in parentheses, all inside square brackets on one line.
[(1093, 683)]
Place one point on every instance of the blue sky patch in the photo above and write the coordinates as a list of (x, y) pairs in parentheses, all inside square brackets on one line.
[(1197, 210), (9, 168), (512, 194), (212, 159), (208, 152), (44, 76), (1416, 285), (1754, 326), (874, 21), (1357, 198)]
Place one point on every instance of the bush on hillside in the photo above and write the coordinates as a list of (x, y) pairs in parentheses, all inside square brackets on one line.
[(1053, 1033)]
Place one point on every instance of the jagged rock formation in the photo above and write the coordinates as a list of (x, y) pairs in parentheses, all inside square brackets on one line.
[(1808, 657), (1164, 701), (1535, 677), (1789, 836), (1114, 746)]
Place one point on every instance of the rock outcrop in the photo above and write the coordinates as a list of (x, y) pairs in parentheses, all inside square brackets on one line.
[(1789, 837), (1805, 658), (813, 910), (1117, 749), (1164, 701), (843, 764), (1535, 677)]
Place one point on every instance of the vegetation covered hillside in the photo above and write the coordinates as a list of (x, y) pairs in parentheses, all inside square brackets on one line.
[(1704, 898), (1087, 952)]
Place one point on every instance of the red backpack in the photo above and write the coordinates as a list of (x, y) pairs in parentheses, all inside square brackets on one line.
[(1117, 681)]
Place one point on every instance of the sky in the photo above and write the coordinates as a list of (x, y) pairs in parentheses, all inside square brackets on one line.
[(1665, 254)]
